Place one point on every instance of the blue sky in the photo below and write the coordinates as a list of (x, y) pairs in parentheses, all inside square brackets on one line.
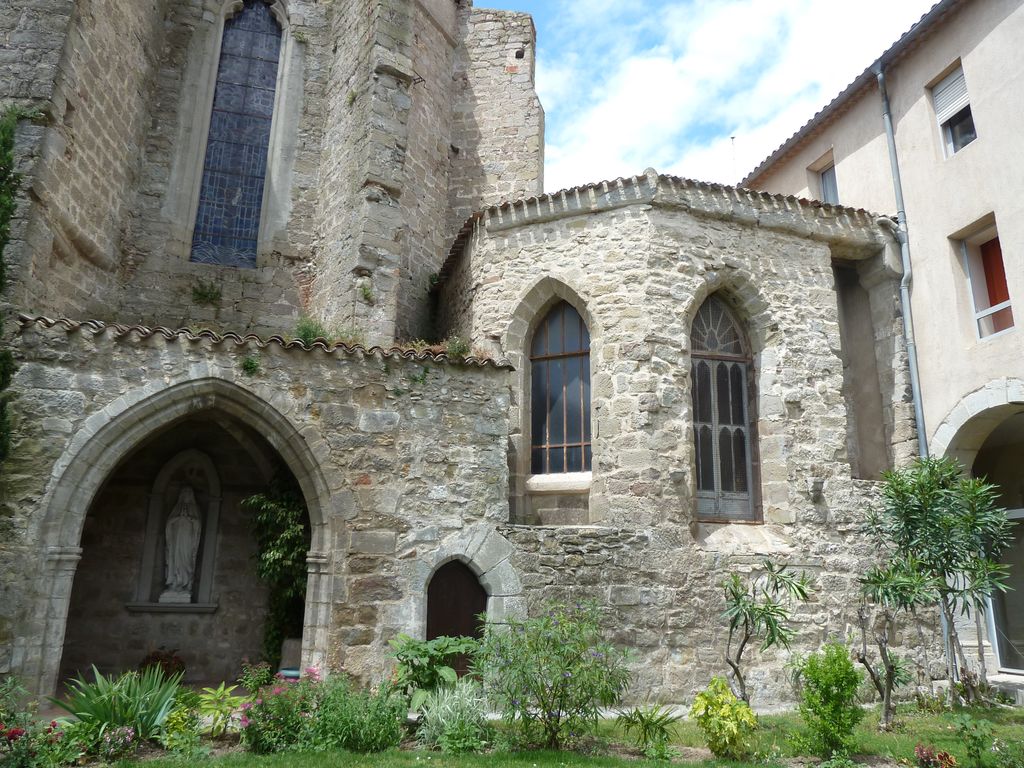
[(628, 84)]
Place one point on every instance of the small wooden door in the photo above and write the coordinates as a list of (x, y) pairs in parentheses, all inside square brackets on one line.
[(455, 599)]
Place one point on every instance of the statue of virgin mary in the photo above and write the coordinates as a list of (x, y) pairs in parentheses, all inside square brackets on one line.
[(181, 541)]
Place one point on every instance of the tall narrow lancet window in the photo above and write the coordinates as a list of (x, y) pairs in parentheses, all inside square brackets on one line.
[(723, 416), (231, 195), (560, 393)]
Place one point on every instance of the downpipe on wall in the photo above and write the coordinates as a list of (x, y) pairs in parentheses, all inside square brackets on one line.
[(899, 231)]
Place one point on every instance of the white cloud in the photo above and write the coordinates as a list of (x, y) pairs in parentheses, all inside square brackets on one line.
[(634, 83)]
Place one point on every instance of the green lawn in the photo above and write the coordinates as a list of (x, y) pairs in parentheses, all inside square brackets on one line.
[(774, 738)]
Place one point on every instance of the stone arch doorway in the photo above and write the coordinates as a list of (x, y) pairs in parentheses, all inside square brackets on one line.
[(455, 601), (985, 432), (108, 441)]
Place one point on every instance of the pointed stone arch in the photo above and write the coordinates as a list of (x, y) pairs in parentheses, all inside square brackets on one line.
[(486, 552), (532, 308), (110, 435)]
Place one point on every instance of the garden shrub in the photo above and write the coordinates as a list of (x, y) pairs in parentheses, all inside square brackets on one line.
[(425, 665), (218, 705), (117, 743), (455, 718), (550, 675), (651, 729), (727, 722), (139, 700), (356, 720), (181, 734), (255, 676), (275, 720), (828, 703)]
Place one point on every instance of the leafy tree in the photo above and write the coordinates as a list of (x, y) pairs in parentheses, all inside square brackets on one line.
[(280, 524), (900, 587), (948, 529), (758, 607)]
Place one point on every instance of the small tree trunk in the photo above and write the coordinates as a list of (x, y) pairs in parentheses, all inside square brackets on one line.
[(862, 654), (739, 687), (982, 672), (950, 651), (882, 639)]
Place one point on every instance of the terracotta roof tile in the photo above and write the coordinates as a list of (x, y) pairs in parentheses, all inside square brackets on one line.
[(118, 331)]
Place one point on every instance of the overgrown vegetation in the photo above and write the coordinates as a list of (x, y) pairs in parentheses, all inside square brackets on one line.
[(251, 365), (206, 294), (280, 525), (9, 181), (944, 529)]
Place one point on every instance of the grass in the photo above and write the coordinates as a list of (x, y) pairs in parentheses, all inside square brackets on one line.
[(775, 738)]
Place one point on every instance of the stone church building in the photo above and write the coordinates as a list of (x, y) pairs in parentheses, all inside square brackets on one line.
[(667, 379)]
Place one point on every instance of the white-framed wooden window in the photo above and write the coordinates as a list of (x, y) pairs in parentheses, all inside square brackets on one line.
[(724, 434), (986, 282), (829, 187), (953, 111)]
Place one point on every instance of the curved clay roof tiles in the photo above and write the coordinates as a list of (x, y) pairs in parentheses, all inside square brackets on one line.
[(118, 331)]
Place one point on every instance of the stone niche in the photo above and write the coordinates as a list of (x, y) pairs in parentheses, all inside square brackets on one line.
[(116, 616), (191, 476)]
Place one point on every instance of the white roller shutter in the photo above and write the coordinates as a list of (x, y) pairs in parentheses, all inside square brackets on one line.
[(950, 95)]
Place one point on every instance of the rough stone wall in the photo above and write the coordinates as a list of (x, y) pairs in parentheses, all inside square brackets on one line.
[(498, 121), (157, 276), (100, 629), (425, 205), (638, 258), (84, 163), (396, 457)]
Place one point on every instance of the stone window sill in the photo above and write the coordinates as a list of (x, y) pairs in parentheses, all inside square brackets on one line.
[(564, 482), (171, 607)]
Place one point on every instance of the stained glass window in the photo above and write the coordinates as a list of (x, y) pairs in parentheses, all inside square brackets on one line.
[(722, 415), (560, 392), (231, 195)]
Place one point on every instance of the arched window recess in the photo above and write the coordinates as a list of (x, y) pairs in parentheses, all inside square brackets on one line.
[(560, 393), (724, 416), (229, 189)]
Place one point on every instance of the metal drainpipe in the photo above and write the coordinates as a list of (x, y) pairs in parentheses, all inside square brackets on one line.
[(899, 231)]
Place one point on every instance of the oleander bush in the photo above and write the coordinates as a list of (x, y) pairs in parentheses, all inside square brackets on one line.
[(549, 675)]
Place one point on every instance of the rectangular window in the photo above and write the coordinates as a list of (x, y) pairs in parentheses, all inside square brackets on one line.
[(829, 189), (953, 111), (986, 277)]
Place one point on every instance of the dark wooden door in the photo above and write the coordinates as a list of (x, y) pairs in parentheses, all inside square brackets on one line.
[(454, 600)]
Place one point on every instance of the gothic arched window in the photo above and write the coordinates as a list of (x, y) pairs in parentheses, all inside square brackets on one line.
[(723, 415), (227, 220), (560, 393)]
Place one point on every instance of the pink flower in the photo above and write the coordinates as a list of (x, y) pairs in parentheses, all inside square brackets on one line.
[(245, 721), (278, 690), (247, 706)]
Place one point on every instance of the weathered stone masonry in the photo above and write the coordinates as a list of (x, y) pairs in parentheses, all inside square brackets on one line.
[(400, 460), (407, 149)]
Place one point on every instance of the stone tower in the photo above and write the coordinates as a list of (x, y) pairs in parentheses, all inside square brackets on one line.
[(386, 122)]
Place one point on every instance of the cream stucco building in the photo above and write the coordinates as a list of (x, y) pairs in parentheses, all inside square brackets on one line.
[(955, 90)]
